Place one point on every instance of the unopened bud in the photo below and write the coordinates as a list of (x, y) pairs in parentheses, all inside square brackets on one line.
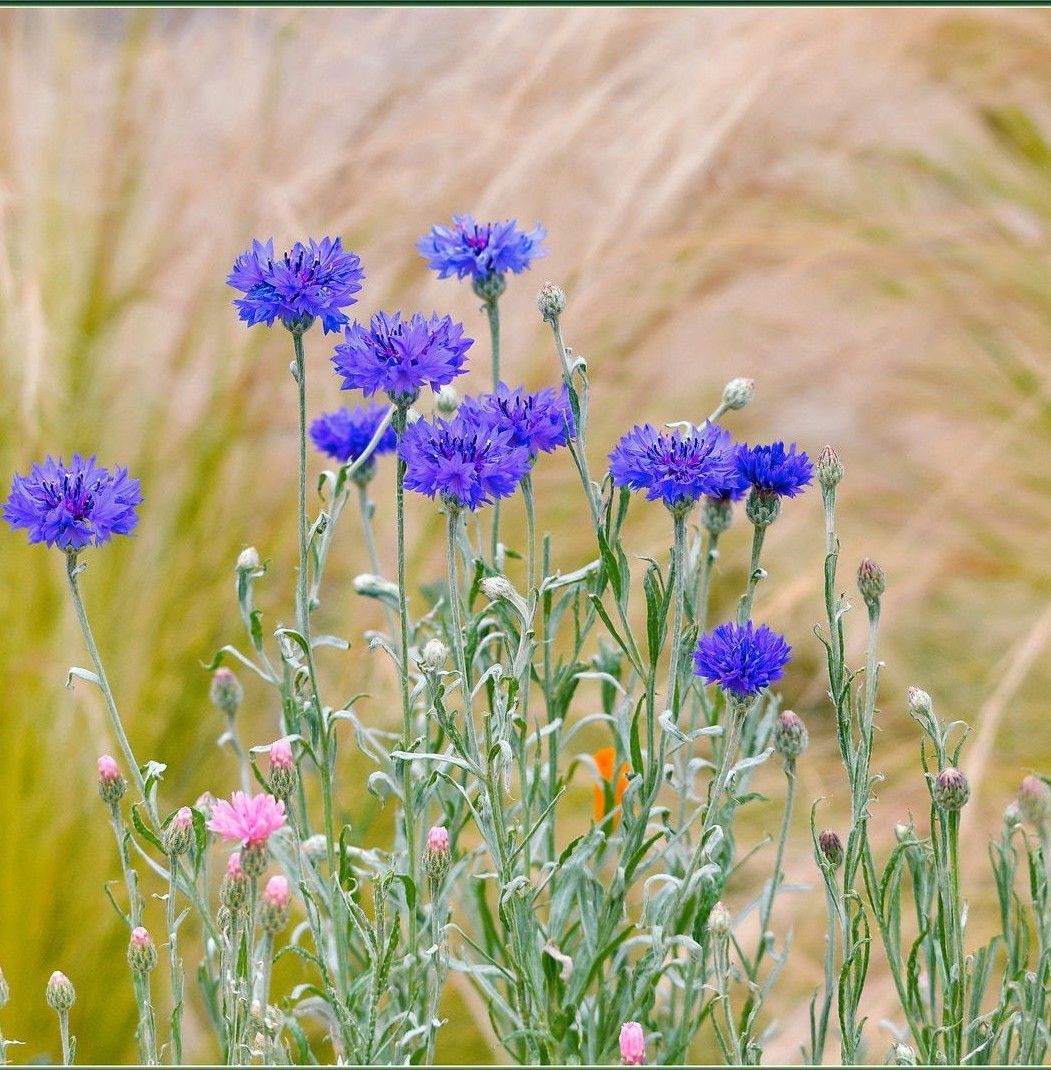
[(872, 582), (434, 656), (737, 393), (903, 832), (178, 836), (950, 790), (763, 507), (831, 847), (632, 1044), (551, 300), (112, 785), (226, 691), (255, 857), (829, 468), (142, 951), (920, 703), (60, 993), (1012, 816), (248, 559), (1034, 800), (716, 515), (205, 803), (446, 402), (790, 735), (284, 776), (496, 587), (436, 859), (904, 1055), (719, 920), (234, 891), (274, 910)]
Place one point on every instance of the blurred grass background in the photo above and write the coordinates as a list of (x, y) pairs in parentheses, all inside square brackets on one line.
[(850, 206)]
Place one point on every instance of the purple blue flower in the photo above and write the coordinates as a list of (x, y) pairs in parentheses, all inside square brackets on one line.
[(466, 463), (775, 470), (481, 250), (312, 281), (401, 356), (539, 421), (674, 466), (73, 507), (345, 433), (741, 659)]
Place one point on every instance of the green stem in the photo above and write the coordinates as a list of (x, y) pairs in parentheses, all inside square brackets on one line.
[(266, 963), (678, 571), (530, 512), (63, 1029), (755, 574), (768, 900), (492, 311), (176, 970), (239, 753)]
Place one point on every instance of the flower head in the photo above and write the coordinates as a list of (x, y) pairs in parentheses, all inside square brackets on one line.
[(60, 993), (178, 836), (741, 659), (75, 506), (481, 249), (112, 784), (831, 847), (467, 464), (401, 356), (950, 789), (632, 1044), (142, 951), (226, 691), (345, 434), (539, 421), (775, 470), (276, 892), (1034, 800), (312, 281), (676, 467), (248, 818)]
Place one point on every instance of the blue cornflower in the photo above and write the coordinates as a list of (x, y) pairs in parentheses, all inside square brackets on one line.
[(539, 421), (465, 463), (400, 357), (481, 250), (741, 659), (774, 470), (312, 281), (345, 433), (75, 506), (674, 466)]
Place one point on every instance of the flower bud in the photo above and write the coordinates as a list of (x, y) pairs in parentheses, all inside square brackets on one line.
[(489, 287), (1012, 816), (5, 992), (716, 515), (904, 1055), (1034, 800), (632, 1044), (496, 587), (830, 469), (920, 703), (950, 790), (315, 849), (283, 772), (142, 951), (871, 582), (551, 301), (248, 559), (112, 785), (234, 891), (446, 402), (903, 831), (790, 735), (436, 859), (178, 836), (274, 911), (762, 507), (434, 656), (60, 994), (719, 920), (831, 847), (205, 803), (737, 393), (226, 691)]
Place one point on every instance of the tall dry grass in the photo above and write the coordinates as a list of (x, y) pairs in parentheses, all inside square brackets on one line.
[(850, 206)]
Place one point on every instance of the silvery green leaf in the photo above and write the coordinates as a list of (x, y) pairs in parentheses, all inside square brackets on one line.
[(381, 785), (82, 674), (748, 763)]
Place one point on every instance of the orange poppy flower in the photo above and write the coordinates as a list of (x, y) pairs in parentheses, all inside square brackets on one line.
[(605, 759)]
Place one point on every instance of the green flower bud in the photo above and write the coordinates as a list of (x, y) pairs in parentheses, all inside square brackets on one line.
[(790, 735), (830, 469), (255, 857), (872, 582), (142, 951), (60, 993), (490, 287), (904, 1055), (831, 847), (716, 515), (737, 393), (226, 691), (719, 920), (551, 301), (762, 508), (950, 790), (178, 836)]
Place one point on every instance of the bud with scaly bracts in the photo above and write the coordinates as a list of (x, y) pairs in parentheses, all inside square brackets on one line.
[(142, 951), (112, 785), (790, 735), (950, 790)]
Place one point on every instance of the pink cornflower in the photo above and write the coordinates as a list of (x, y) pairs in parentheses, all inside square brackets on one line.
[(108, 768), (281, 755), (276, 892), (632, 1044), (438, 839), (248, 818)]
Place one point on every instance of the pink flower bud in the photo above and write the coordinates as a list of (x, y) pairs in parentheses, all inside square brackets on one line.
[(438, 839), (281, 755), (233, 867), (632, 1044), (112, 785), (140, 937), (276, 893), (108, 768)]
